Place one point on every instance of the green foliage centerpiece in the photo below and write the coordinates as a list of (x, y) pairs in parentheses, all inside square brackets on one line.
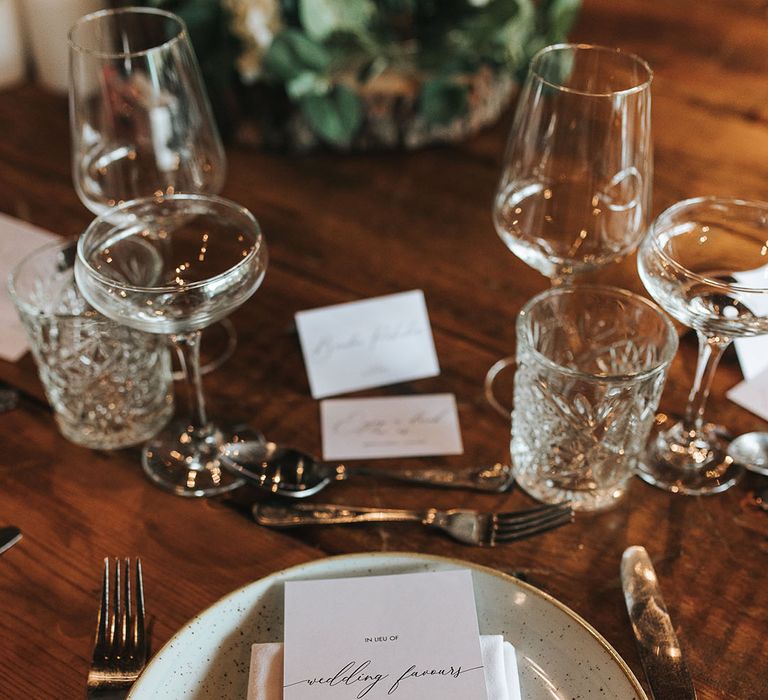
[(365, 73)]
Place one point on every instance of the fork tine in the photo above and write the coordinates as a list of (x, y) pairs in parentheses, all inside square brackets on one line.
[(127, 609), (140, 634), (116, 622), (531, 515), (102, 621), (512, 526), (533, 529)]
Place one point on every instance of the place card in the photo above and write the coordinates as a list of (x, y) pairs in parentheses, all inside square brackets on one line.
[(404, 637), (753, 352), (392, 426), (752, 394), (17, 240), (368, 343)]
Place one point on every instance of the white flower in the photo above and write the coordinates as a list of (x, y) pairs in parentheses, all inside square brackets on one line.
[(255, 23)]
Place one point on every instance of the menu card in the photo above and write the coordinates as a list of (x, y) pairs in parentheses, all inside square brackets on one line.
[(17, 240), (405, 637), (390, 426), (368, 343)]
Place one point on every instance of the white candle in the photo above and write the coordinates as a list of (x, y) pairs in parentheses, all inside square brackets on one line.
[(48, 23), (11, 45)]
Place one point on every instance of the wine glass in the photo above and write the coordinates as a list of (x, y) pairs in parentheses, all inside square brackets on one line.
[(140, 118), (575, 187), (174, 265), (705, 261)]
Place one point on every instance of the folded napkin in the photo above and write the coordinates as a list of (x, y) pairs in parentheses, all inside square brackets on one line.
[(499, 661)]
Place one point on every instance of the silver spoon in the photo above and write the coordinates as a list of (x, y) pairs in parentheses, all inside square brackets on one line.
[(751, 452), (289, 472)]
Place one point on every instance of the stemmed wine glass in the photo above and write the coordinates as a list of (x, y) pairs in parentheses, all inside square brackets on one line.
[(575, 187), (705, 261), (140, 119), (174, 265)]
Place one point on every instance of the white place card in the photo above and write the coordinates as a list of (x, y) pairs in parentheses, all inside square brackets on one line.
[(753, 352), (368, 343), (752, 394), (392, 426), (17, 240), (405, 637)]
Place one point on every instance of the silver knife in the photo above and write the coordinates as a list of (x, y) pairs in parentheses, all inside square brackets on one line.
[(9, 536), (660, 651)]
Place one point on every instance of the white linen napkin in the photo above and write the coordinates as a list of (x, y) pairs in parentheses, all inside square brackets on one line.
[(499, 661)]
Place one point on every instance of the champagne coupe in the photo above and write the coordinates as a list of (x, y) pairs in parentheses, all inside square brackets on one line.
[(575, 188), (140, 118), (174, 265), (705, 261)]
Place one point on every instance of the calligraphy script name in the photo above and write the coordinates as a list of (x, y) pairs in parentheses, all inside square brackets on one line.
[(327, 346), (357, 675)]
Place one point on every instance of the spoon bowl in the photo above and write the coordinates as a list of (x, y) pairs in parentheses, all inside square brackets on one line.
[(751, 452), (291, 473)]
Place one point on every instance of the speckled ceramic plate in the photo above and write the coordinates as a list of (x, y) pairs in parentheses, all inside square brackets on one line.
[(560, 656)]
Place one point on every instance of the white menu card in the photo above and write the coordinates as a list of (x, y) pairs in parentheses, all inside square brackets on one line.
[(404, 637), (368, 343), (390, 426)]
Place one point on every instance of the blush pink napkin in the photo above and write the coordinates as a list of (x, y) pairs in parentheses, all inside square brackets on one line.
[(499, 662)]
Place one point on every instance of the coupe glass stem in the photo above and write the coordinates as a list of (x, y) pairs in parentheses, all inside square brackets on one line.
[(562, 278), (711, 349), (188, 348)]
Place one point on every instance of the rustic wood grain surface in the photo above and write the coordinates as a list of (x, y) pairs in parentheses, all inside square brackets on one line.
[(344, 227)]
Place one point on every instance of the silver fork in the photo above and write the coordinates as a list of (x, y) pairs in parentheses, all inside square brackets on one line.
[(467, 526), (120, 647)]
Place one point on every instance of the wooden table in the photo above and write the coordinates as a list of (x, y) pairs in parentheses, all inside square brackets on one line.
[(348, 227)]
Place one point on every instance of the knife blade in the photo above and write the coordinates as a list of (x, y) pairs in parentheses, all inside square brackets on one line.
[(660, 651), (9, 536)]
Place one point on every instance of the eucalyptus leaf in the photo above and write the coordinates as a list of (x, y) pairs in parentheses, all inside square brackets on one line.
[(321, 18), (334, 117), (292, 53), (443, 100)]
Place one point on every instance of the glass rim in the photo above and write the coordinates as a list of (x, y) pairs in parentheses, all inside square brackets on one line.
[(598, 48), (669, 212), (669, 347), (111, 12), (165, 289), (31, 309)]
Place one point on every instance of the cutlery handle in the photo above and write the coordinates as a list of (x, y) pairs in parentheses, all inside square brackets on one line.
[(496, 478), (280, 515)]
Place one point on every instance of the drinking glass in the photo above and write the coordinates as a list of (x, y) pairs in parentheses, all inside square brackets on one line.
[(575, 187), (705, 261), (591, 365), (109, 385), (140, 118), (139, 115), (174, 265)]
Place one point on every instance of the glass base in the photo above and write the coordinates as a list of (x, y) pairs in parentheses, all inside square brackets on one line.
[(585, 501), (693, 465), (187, 462)]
